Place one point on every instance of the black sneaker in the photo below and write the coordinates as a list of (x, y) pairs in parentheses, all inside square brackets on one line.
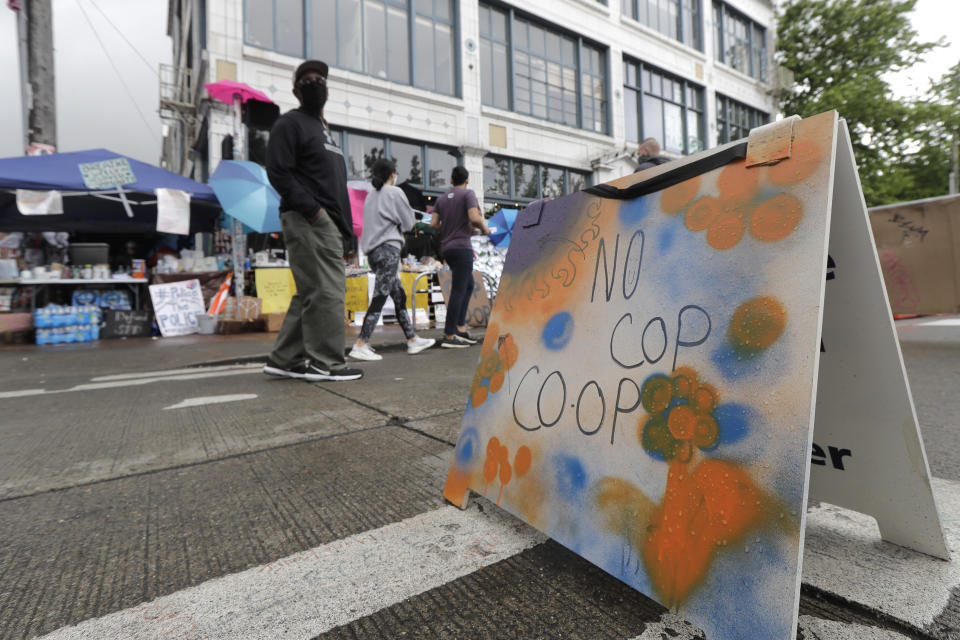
[(456, 342), (316, 374), (296, 371), (466, 337)]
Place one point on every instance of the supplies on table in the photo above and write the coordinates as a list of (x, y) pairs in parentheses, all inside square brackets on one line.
[(107, 298), (57, 324), (6, 298)]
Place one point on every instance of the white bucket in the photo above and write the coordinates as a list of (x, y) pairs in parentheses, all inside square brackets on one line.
[(207, 323)]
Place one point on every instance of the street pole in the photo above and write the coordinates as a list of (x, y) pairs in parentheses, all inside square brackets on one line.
[(239, 240), (42, 115), (26, 98), (955, 165)]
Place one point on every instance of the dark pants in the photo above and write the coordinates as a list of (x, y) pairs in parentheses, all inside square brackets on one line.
[(314, 326), (460, 262), (385, 261)]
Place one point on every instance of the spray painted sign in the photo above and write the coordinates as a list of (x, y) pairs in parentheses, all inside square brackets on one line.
[(646, 386)]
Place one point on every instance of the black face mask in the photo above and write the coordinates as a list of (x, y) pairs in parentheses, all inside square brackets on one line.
[(313, 95)]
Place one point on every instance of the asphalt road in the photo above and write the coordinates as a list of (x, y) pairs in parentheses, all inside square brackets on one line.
[(278, 508)]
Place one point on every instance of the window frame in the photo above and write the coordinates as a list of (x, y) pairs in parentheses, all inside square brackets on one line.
[(632, 11), (721, 12), (513, 199), (642, 68), (758, 117), (412, 13), (580, 42), (343, 139)]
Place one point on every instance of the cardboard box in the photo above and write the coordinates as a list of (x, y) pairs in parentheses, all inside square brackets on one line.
[(248, 309), (918, 244), (274, 321), (228, 327), (10, 322)]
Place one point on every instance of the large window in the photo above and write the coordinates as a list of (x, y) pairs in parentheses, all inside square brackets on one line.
[(662, 106), (677, 19), (511, 181), (735, 119), (535, 69), (740, 42), (369, 36), (275, 24), (424, 165)]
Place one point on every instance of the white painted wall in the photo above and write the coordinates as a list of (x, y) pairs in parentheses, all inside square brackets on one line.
[(364, 102)]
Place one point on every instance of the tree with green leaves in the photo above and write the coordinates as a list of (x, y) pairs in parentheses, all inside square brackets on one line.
[(839, 52)]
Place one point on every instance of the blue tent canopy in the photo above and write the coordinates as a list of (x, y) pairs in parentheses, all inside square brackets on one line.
[(92, 201)]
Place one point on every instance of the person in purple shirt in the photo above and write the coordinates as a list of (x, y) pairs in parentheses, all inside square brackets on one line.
[(455, 215)]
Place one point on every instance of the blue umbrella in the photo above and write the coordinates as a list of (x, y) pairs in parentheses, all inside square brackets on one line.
[(502, 222), (245, 193)]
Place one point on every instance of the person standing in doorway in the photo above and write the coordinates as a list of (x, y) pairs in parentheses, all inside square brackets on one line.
[(306, 167), (386, 216), (456, 214)]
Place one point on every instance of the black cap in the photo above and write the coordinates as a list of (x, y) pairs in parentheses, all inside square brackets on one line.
[(311, 65)]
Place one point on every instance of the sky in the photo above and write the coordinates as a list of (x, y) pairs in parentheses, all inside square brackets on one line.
[(96, 108)]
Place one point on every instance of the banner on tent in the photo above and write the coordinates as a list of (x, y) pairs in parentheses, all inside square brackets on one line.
[(107, 173), (647, 384)]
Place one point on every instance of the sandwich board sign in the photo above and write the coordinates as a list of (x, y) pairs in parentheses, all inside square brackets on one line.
[(677, 360)]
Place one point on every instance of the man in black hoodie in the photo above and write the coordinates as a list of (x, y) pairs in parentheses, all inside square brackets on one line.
[(306, 167)]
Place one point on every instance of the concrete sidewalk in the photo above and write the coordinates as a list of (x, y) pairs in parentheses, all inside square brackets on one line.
[(131, 354), (318, 464)]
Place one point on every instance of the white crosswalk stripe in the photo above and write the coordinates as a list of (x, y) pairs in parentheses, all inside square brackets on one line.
[(314, 591), (308, 593), (136, 379)]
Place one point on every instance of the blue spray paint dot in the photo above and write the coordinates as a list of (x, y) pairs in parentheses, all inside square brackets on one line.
[(735, 365), (467, 446), (633, 211), (571, 476), (558, 331), (734, 420), (666, 237)]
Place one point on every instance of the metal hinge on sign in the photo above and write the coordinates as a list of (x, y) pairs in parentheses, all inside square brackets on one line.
[(771, 143)]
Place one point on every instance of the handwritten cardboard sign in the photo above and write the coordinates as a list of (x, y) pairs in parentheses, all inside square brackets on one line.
[(478, 311), (107, 173), (357, 294), (173, 211), (275, 287), (176, 305), (646, 385), (125, 324)]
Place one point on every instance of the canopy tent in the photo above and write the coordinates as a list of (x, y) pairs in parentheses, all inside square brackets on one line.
[(92, 201)]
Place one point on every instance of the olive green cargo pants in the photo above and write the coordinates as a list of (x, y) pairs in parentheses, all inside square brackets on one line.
[(314, 327)]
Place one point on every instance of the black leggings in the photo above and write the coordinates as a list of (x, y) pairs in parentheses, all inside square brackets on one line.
[(385, 259), (460, 262)]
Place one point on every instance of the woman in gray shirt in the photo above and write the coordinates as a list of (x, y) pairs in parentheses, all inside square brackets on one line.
[(386, 215)]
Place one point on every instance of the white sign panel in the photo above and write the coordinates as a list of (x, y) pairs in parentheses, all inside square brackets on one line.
[(867, 452), (173, 211), (39, 203), (176, 305)]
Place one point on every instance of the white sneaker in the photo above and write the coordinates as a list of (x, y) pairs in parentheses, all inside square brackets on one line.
[(419, 344), (364, 353)]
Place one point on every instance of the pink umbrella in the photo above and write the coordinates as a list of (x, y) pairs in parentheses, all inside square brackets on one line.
[(224, 90), (357, 198)]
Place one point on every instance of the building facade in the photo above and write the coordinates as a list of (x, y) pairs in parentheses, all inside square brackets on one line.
[(536, 98)]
